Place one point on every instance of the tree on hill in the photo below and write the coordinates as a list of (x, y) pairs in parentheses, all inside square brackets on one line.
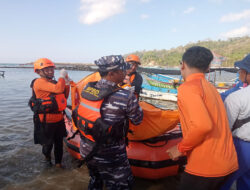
[(232, 49)]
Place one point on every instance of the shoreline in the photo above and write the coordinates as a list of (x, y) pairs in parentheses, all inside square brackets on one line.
[(150, 70)]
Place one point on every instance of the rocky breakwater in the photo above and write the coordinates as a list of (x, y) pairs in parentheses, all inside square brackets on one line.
[(67, 66), (77, 67)]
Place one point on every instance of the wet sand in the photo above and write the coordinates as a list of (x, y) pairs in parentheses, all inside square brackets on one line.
[(74, 178), (77, 179)]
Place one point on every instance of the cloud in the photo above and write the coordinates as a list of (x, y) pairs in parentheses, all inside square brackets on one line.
[(216, 1), (94, 11), (236, 16), (238, 32), (144, 16), (222, 1), (189, 10), (145, 1)]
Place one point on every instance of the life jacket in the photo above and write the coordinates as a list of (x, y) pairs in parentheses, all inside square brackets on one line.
[(55, 103), (88, 116), (131, 79)]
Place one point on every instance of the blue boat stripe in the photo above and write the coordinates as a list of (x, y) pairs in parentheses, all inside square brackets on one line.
[(89, 107)]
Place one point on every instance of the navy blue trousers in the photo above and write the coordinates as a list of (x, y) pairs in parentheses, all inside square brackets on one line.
[(242, 175), (109, 167)]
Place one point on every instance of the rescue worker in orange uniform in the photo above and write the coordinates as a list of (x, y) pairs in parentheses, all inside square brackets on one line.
[(133, 78), (102, 118), (207, 140), (48, 102)]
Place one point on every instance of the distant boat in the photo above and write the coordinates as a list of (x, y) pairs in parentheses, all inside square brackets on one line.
[(164, 87), (163, 78), (2, 73), (163, 83), (161, 87), (159, 95), (223, 86)]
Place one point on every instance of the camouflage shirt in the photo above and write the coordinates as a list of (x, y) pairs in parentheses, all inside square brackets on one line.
[(120, 105)]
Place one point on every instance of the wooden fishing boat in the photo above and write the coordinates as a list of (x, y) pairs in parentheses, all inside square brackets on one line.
[(160, 87), (162, 81), (162, 78), (164, 87), (154, 93)]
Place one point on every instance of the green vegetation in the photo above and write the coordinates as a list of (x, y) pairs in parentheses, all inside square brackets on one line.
[(232, 49)]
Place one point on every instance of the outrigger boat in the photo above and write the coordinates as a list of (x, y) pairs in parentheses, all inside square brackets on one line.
[(163, 81), (148, 143), (158, 94), (163, 87)]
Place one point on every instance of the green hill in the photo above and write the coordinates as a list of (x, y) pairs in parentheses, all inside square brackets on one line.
[(233, 49)]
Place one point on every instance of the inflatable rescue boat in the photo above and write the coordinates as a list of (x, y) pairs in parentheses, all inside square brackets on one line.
[(148, 141)]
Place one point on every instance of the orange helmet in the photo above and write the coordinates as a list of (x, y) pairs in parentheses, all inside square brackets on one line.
[(133, 58), (43, 63)]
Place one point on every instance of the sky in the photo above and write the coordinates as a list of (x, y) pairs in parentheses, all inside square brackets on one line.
[(81, 31)]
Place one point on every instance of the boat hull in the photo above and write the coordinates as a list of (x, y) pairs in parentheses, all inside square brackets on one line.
[(158, 95), (73, 144), (148, 159)]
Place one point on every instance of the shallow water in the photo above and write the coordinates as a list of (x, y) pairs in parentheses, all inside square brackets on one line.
[(20, 159), (21, 164)]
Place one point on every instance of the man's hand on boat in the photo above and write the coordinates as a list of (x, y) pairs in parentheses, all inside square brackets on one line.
[(174, 153)]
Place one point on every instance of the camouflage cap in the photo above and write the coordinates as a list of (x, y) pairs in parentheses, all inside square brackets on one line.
[(112, 62)]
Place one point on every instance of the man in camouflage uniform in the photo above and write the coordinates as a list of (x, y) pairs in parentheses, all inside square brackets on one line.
[(109, 164)]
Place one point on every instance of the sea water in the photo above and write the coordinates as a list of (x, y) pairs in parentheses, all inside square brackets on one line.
[(21, 166)]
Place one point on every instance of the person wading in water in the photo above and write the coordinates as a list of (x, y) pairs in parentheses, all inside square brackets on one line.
[(48, 102)]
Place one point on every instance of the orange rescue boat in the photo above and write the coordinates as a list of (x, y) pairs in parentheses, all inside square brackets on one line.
[(148, 142)]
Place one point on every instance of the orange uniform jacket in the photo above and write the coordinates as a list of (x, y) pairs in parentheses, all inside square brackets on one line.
[(43, 88), (207, 139)]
